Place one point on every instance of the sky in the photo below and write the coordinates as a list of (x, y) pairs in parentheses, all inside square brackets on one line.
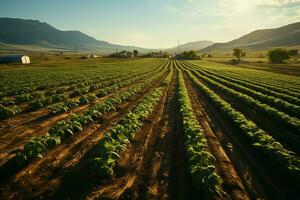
[(157, 23)]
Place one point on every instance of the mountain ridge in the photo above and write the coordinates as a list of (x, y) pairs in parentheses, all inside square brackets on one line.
[(262, 39), (28, 32)]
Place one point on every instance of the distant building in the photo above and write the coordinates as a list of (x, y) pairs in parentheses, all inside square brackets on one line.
[(93, 56), (22, 59)]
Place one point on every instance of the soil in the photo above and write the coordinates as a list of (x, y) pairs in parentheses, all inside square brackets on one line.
[(153, 166)]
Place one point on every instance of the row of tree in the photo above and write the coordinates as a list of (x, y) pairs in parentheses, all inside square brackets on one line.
[(275, 55)]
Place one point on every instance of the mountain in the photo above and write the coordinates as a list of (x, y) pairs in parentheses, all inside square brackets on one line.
[(23, 33), (285, 36), (196, 46)]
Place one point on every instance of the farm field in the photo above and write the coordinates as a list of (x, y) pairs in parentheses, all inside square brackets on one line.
[(149, 129)]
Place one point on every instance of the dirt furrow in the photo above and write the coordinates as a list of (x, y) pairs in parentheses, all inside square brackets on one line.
[(18, 136), (60, 164), (254, 176), (232, 183), (131, 178)]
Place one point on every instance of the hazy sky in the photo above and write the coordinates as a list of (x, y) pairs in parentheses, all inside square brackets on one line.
[(157, 23)]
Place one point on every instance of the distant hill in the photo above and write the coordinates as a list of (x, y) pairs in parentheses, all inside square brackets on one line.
[(286, 36), (20, 33), (198, 45)]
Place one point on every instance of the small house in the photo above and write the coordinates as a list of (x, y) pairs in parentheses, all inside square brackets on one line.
[(22, 59), (93, 56)]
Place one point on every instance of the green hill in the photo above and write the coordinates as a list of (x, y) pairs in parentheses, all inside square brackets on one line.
[(286, 36), (196, 46), (20, 33)]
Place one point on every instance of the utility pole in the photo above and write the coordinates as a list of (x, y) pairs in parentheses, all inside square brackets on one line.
[(178, 47)]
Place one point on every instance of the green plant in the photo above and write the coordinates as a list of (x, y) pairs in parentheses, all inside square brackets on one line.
[(278, 55)]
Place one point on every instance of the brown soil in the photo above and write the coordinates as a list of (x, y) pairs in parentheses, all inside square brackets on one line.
[(287, 138), (153, 166), (248, 165), (34, 180), (26, 126), (231, 181)]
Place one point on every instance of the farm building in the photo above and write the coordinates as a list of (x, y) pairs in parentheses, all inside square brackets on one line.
[(93, 56), (22, 59)]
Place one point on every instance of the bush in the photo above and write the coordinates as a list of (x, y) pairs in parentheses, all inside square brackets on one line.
[(188, 55), (6, 112), (293, 52), (234, 61), (239, 54), (278, 55)]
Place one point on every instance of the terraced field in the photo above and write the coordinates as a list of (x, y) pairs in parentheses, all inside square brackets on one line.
[(148, 129)]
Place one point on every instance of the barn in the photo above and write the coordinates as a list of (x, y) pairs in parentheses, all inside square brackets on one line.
[(22, 59)]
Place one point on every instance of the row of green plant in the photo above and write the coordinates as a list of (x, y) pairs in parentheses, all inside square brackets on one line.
[(6, 112), (65, 128), (119, 136), (279, 117), (279, 104), (84, 92), (70, 104), (29, 80), (284, 84), (77, 89), (264, 82), (286, 162), (201, 162), (169, 77), (256, 87), (281, 83)]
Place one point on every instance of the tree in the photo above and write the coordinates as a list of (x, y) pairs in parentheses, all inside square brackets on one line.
[(293, 52), (188, 55), (239, 54), (278, 55), (135, 53)]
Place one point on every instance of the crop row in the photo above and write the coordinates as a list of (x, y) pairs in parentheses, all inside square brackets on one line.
[(256, 78), (119, 136), (272, 86), (263, 81), (120, 83), (201, 162), (28, 81), (256, 87), (279, 117), (63, 129), (281, 105), (79, 87), (68, 104), (287, 164)]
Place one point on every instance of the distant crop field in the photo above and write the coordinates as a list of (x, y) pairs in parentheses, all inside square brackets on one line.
[(148, 129)]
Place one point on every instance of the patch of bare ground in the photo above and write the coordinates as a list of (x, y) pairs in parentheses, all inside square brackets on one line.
[(66, 162)]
